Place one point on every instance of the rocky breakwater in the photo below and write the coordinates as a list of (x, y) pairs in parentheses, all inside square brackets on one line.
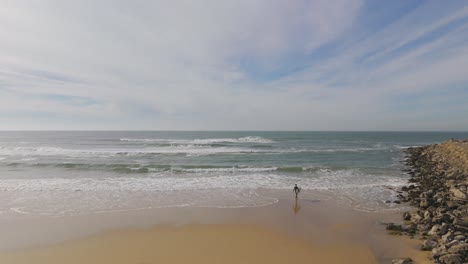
[(438, 189)]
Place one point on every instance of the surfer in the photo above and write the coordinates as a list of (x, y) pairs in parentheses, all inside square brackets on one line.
[(296, 190)]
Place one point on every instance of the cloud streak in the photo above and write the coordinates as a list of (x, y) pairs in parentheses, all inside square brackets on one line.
[(241, 65)]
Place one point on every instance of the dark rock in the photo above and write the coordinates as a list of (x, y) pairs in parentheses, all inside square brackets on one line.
[(441, 210), (415, 218), (450, 259), (439, 251), (403, 261), (406, 216), (460, 228), (452, 243), (460, 222), (394, 227), (453, 204), (460, 248), (444, 228), (447, 237), (428, 245), (443, 218)]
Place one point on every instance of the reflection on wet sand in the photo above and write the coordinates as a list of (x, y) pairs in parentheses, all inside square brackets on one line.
[(297, 206)]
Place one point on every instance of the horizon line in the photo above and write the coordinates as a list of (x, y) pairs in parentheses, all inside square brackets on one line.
[(163, 130)]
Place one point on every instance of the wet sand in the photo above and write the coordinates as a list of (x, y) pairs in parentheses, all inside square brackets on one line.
[(313, 230)]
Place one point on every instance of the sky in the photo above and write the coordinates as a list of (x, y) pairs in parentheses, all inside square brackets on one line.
[(234, 65)]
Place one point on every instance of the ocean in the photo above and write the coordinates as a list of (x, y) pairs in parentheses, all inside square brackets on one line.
[(65, 173)]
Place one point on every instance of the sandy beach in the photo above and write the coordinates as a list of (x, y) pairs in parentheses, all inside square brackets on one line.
[(313, 230), (183, 132)]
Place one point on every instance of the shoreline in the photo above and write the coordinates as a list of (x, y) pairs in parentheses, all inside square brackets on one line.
[(313, 224), (253, 198)]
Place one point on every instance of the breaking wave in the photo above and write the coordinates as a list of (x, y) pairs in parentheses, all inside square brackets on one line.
[(249, 139), (322, 180)]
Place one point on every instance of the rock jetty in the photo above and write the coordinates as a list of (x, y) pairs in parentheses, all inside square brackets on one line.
[(438, 188)]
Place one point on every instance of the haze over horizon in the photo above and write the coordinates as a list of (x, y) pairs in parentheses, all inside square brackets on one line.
[(346, 65)]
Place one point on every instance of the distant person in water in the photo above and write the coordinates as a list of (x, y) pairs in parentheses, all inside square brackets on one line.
[(296, 190)]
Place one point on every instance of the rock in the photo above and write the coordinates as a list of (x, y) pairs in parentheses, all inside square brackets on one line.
[(427, 215), (411, 228), (394, 227), (428, 245), (434, 230), (424, 203), (447, 237), (443, 218), (422, 227), (460, 222), (444, 228), (458, 194), (403, 261), (415, 218), (453, 204), (440, 210), (452, 243), (450, 259), (461, 248), (438, 252), (460, 228), (460, 238), (406, 216)]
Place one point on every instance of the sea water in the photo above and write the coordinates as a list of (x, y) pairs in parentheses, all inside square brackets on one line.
[(62, 173)]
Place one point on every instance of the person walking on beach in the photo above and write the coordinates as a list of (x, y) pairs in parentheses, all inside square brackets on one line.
[(296, 190)]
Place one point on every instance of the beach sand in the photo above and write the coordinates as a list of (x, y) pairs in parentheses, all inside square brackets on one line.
[(313, 230)]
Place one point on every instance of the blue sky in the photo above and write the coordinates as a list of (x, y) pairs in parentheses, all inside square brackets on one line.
[(234, 65)]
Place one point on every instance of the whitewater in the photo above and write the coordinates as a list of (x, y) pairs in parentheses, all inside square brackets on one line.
[(63, 173)]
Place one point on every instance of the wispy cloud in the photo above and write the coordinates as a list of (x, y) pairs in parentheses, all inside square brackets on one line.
[(315, 65)]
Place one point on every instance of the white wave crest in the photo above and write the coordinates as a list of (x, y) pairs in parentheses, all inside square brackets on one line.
[(233, 169), (144, 140), (248, 139), (323, 179), (189, 150)]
